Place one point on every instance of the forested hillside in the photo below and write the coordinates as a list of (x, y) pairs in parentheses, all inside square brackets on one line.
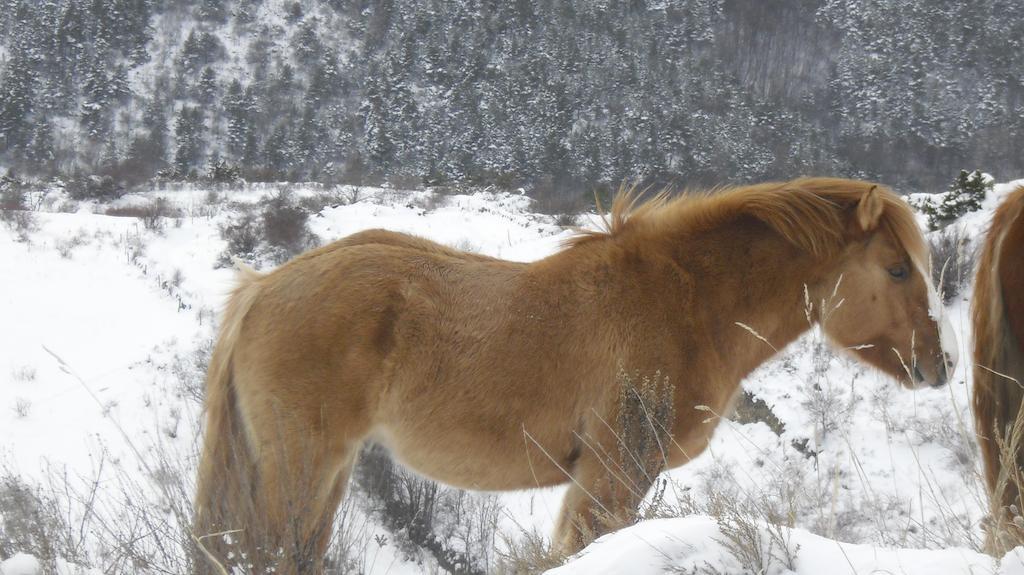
[(556, 96)]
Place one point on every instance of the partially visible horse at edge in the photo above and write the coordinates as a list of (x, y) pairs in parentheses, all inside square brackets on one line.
[(495, 375), (997, 314)]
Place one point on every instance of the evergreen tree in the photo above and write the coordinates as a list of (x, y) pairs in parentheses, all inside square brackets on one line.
[(258, 55), (965, 195), (102, 22), (574, 93), (68, 56), (190, 58), (280, 154), (207, 89), (41, 153), (95, 116), (306, 45), (213, 11), (148, 153), (118, 89), (197, 51), (188, 132), (237, 110), (136, 29), (379, 146), (17, 94)]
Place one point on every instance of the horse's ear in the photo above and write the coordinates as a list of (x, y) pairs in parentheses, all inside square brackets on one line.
[(869, 209)]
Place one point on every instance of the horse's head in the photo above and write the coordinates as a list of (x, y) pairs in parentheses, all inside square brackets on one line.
[(879, 302)]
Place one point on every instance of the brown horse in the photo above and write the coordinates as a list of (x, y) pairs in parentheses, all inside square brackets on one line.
[(495, 375), (998, 318)]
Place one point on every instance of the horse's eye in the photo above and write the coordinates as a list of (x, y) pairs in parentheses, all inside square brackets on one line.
[(899, 273)]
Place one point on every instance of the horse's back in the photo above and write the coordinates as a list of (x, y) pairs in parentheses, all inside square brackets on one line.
[(382, 237), (350, 294), (353, 312)]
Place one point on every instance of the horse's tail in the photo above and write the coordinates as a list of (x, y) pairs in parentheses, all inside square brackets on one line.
[(223, 503), (998, 381)]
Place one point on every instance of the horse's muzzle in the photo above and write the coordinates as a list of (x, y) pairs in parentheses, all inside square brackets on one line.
[(942, 374)]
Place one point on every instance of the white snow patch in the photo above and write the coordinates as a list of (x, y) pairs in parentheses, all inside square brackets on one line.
[(21, 564)]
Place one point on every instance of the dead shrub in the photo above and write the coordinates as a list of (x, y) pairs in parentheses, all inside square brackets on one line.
[(329, 198), (274, 231), (152, 215), (285, 225), (101, 188), (953, 261), (243, 235), (15, 212), (556, 198), (220, 172), (346, 553), (645, 419), (189, 371), (455, 528), (28, 523)]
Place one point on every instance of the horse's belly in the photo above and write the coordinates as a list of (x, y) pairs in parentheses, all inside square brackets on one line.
[(473, 461)]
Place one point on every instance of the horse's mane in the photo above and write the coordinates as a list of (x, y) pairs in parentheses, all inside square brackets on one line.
[(988, 306), (996, 397), (812, 213)]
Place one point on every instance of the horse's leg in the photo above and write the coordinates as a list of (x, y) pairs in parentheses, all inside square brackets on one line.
[(299, 487), (320, 529), (606, 488), (616, 470)]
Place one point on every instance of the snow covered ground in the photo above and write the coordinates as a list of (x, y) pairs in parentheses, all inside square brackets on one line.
[(697, 544), (103, 319)]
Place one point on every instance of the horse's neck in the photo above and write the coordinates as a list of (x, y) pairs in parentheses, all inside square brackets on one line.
[(753, 283), (744, 284)]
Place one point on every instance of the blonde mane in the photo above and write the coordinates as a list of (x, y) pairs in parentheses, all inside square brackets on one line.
[(812, 213)]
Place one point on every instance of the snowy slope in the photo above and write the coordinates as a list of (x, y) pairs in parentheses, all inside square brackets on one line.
[(103, 316)]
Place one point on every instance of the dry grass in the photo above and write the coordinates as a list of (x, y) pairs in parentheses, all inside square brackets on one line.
[(107, 520), (67, 246), (1005, 525), (526, 553)]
